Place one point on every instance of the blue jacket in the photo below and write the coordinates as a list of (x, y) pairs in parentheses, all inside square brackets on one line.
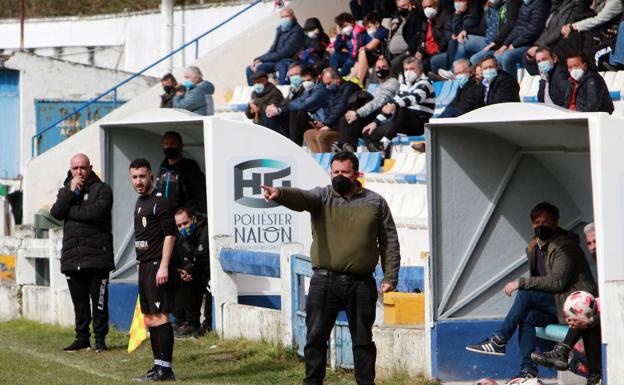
[(285, 45), (195, 99), (312, 100), (469, 21), (337, 103), (530, 24)]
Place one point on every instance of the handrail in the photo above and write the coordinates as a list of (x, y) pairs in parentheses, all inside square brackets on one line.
[(114, 88)]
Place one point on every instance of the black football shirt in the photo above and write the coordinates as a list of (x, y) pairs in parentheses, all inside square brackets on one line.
[(153, 221)]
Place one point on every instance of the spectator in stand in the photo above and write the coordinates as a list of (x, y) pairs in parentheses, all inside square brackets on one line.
[(557, 268), (307, 107), (409, 32), (361, 8), (608, 12), (351, 128), (411, 108), (466, 20), (314, 51), (588, 91), (280, 111), (385, 8), (562, 12), (470, 94), (500, 87), (438, 31), (264, 95), (169, 84), (198, 95), (350, 38), (529, 25), (554, 77), (478, 72), (289, 39), (325, 131), (374, 48)]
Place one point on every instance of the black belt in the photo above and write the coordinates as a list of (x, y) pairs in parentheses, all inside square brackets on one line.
[(330, 273)]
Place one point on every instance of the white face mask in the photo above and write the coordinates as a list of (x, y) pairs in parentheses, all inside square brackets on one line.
[(312, 34), (371, 31), (430, 12), (307, 85), (577, 73), (347, 30), (410, 76)]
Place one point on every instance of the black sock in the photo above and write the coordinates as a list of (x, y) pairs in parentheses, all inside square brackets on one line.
[(165, 336), (155, 340)]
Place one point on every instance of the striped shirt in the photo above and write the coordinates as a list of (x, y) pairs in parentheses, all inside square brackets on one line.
[(419, 96)]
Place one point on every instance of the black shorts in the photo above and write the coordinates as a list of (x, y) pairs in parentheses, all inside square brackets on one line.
[(154, 299), (372, 56)]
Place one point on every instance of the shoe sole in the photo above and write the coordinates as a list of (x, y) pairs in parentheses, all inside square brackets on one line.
[(559, 365), (77, 350), (484, 352)]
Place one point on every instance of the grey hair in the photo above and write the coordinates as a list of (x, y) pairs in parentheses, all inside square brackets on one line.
[(461, 61), (589, 228), (411, 60), (332, 72), (194, 71)]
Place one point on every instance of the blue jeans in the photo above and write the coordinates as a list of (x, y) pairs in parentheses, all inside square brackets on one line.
[(342, 62), (509, 59), (456, 50), (531, 308), (472, 45), (267, 67)]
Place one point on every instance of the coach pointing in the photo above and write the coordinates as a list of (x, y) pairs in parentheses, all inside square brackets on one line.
[(351, 228)]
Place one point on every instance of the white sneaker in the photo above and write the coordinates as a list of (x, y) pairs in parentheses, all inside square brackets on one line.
[(446, 74)]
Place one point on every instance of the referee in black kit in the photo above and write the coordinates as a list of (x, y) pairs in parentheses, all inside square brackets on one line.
[(154, 234)]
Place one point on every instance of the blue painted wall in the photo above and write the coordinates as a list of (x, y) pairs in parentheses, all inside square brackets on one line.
[(452, 362), (9, 124)]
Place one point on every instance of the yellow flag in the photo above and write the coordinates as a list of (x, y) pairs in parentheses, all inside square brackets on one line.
[(138, 330)]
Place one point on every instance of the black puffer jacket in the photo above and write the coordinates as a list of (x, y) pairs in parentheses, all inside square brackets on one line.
[(563, 12), (337, 104), (504, 89), (469, 21), (468, 98), (593, 94), (87, 229), (530, 23), (192, 253), (557, 85)]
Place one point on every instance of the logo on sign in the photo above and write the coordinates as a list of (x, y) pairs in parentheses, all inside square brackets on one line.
[(247, 190)]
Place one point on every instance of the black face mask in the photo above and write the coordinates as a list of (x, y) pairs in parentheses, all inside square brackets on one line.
[(172, 152), (168, 89), (382, 73), (543, 232), (404, 12), (341, 184)]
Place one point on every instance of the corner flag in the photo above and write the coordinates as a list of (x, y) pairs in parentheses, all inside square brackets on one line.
[(138, 331)]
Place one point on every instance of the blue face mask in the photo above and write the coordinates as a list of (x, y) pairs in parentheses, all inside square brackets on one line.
[(489, 74), (462, 79), (188, 84), (295, 80), (259, 88), (545, 66), (285, 23), (188, 231), (526, 2), (457, 5)]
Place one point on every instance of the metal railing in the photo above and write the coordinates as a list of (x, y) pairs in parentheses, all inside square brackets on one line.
[(113, 90)]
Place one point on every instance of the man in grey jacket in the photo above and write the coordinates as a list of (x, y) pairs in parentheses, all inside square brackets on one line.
[(557, 268), (354, 121), (198, 95)]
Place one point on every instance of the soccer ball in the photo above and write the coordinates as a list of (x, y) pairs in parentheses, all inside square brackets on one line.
[(525, 381), (580, 305), (486, 381)]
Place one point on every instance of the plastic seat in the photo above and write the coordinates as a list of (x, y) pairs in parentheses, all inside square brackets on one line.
[(370, 161), (532, 89), (414, 208), (285, 90), (609, 78), (326, 160)]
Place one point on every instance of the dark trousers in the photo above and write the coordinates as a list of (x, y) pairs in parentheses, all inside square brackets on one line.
[(350, 133), (592, 341), (406, 121), (342, 62), (330, 293), (298, 123), (189, 298), (89, 293), (274, 123), (531, 308)]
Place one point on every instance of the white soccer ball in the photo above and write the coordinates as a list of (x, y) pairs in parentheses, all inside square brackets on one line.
[(580, 305), (525, 381), (486, 381)]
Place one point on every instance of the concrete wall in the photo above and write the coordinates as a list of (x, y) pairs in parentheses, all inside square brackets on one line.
[(401, 350), (251, 322), (612, 319), (9, 302)]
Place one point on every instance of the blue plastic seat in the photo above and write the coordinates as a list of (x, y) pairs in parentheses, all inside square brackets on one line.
[(370, 161)]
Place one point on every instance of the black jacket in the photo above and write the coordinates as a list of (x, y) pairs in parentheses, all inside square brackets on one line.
[(337, 105), (441, 29), (414, 31), (512, 7), (166, 99), (469, 21), (286, 44), (593, 94), (504, 89), (192, 184), (87, 228), (530, 23), (563, 12), (558, 79), (192, 253), (468, 98)]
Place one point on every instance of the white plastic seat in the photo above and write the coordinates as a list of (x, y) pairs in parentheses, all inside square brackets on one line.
[(609, 78)]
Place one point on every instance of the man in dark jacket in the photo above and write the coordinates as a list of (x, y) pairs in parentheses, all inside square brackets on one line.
[(470, 94), (180, 179), (84, 203), (409, 34), (264, 95), (554, 77), (500, 87), (325, 131), (197, 93), (289, 39), (587, 91), (529, 25), (169, 84), (557, 268), (192, 261), (438, 27), (307, 107)]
